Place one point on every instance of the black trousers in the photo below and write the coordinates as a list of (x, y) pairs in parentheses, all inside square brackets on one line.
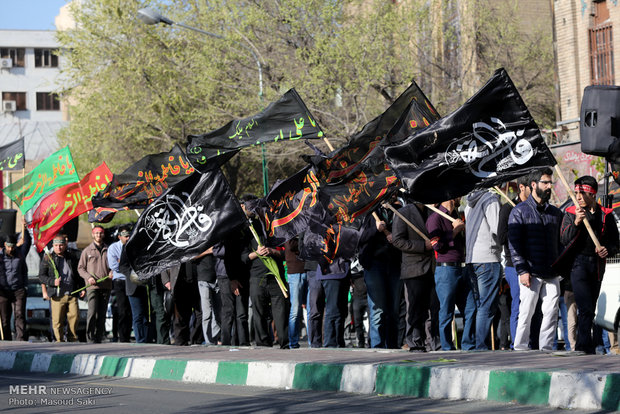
[(13, 300), (124, 311), (162, 319), (586, 287), (187, 303), (316, 310), (269, 301), (418, 292), (234, 315)]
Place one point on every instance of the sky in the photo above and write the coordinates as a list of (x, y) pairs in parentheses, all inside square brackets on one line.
[(29, 14)]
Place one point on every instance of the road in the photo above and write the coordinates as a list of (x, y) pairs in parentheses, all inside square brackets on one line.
[(97, 395)]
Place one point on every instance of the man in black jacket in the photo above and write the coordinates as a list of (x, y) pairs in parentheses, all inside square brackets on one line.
[(58, 271), (588, 265)]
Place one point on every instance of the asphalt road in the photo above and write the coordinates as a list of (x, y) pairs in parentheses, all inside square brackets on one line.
[(29, 393)]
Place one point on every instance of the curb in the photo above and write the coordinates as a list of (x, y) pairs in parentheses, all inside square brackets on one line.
[(437, 380)]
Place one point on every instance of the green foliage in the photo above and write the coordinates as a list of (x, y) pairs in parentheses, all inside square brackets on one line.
[(137, 89)]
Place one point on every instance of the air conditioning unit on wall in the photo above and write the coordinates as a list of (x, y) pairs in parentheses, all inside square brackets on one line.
[(9, 106), (6, 63)]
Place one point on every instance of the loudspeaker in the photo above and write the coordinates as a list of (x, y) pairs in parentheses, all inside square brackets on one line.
[(7, 222), (600, 118), (71, 228)]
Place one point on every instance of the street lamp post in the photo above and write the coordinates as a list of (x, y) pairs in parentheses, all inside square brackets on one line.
[(150, 16)]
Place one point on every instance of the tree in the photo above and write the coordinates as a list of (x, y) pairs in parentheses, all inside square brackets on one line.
[(139, 89)]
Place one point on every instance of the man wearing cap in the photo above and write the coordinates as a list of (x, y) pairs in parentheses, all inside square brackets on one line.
[(586, 262), (14, 284), (93, 268), (58, 271), (120, 285)]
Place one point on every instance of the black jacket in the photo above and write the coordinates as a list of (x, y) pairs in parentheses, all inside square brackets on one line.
[(47, 275)]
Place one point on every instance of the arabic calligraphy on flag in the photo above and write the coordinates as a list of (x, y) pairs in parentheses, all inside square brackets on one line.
[(66, 203), (144, 181), (489, 140), (188, 218), (12, 156), (285, 119), (55, 171)]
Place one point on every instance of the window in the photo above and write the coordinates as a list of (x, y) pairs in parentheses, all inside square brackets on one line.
[(18, 97), (45, 58), (47, 101), (601, 46), (15, 54)]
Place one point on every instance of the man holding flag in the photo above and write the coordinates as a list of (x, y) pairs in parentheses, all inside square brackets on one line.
[(13, 284), (93, 268)]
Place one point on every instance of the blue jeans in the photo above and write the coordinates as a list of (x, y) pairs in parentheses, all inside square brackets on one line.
[(454, 289), (513, 281), (298, 288), (384, 289), (139, 311), (336, 309), (485, 283), (564, 321)]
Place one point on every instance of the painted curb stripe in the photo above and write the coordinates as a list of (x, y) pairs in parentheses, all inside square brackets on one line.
[(233, 373), (576, 390), (403, 380), (271, 374), (204, 372), (113, 366), (23, 361), (459, 383), (523, 387), (358, 378), (7, 360), (41, 362), (139, 368), (611, 394), (318, 377), (61, 363), (86, 364), (169, 369)]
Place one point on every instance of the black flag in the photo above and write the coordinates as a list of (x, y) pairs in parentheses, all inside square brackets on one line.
[(187, 219), (13, 156), (356, 178), (286, 119), (489, 140), (144, 181), (289, 207)]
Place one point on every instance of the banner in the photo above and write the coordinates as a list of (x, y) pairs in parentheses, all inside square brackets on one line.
[(13, 156), (325, 242), (286, 119), (66, 203), (184, 221), (409, 112), (144, 181), (289, 207), (489, 140), (356, 179), (55, 171)]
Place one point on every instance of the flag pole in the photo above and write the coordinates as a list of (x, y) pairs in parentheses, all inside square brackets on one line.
[(500, 192), (329, 144), (410, 224), (571, 194), (441, 213)]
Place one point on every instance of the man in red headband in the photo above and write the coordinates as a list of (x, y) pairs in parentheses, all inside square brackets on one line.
[(587, 261)]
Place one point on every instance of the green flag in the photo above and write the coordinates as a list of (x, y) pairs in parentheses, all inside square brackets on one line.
[(55, 171)]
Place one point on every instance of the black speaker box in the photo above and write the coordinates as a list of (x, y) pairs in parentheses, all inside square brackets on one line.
[(600, 119), (7, 222)]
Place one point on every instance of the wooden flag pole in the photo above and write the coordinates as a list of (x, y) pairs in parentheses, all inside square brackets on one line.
[(571, 194), (410, 224), (500, 192), (441, 213), (329, 144)]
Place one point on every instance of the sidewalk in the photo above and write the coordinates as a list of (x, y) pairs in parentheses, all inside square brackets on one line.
[(536, 378)]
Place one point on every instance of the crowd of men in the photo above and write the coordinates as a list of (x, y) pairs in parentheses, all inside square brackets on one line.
[(414, 268)]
